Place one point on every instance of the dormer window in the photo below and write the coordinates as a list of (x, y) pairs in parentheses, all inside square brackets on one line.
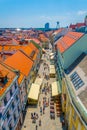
[(3, 80), (3, 77), (32, 54)]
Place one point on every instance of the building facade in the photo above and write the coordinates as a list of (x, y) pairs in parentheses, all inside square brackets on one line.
[(73, 82), (10, 106)]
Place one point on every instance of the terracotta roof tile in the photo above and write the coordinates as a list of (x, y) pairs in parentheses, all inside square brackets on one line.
[(20, 62), (68, 40), (27, 50)]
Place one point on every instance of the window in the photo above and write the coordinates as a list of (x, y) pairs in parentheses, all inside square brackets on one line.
[(74, 116), (8, 115), (17, 97), (18, 109), (76, 80), (5, 101), (11, 92), (10, 127), (13, 105), (15, 117), (0, 115), (3, 128)]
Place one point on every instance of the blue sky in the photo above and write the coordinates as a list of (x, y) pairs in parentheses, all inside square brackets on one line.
[(35, 13)]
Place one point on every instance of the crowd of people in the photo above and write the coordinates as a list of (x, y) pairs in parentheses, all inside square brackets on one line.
[(44, 91)]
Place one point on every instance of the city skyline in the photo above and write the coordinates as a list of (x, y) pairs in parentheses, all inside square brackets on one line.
[(35, 13)]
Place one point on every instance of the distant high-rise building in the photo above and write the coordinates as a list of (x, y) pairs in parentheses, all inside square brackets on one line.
[(57, 26), (46, 26)]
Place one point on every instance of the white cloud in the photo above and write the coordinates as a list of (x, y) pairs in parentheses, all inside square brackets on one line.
[(45, 17), (82, 12)]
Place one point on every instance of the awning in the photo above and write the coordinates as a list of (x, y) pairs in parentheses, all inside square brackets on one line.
[(55, 88), (39, 81), (52, 66), (52, 69), (51, 54), (43, 50), (34, 91), (52, 57)]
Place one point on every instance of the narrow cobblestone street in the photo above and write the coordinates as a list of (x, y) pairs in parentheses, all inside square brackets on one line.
[(44, 103)]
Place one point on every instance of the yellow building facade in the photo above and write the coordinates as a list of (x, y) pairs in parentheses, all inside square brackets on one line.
[(73, 118)]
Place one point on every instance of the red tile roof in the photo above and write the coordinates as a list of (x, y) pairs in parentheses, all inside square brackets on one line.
[(68, 40), (20, 62), (78, 25), (73, 26)]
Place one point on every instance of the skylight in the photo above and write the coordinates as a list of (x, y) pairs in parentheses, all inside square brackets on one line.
[(76, 80)]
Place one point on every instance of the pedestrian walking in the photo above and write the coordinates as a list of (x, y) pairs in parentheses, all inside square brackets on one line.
[(41, 110), (31, 115), (40, 122), (39, 103), (48, 101), (36, 127)]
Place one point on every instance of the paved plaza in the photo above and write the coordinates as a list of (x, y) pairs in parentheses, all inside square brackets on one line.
[(43, 116)]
